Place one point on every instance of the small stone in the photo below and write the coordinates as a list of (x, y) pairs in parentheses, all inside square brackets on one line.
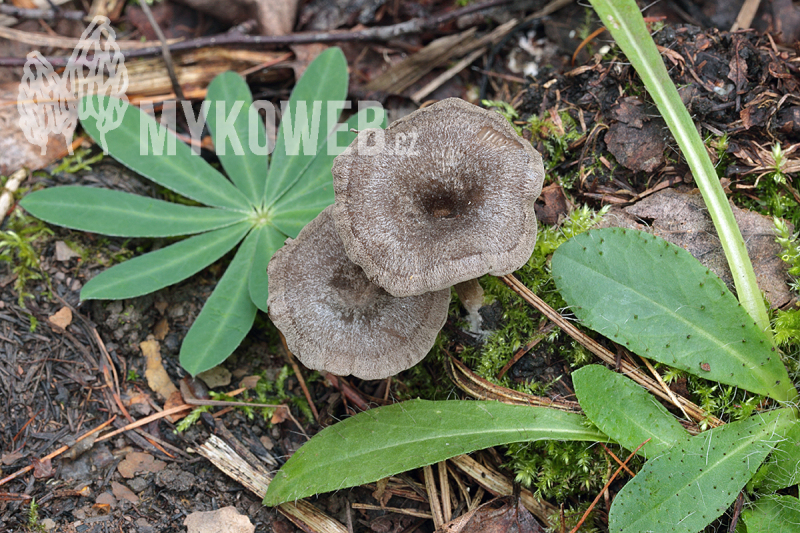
[(138, 484), (48, 524)]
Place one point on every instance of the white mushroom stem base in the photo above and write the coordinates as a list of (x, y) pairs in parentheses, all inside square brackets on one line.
[(470, 293)]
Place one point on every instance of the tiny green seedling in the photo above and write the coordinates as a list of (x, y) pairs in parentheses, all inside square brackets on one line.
[(256, 207)]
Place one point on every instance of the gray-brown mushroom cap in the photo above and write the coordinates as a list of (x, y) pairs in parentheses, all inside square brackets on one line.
[(448, 198), (335, 319)]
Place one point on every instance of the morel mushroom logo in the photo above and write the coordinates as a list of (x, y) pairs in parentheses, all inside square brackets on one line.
[(48, 103)]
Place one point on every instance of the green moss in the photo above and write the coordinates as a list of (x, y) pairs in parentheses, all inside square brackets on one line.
[(21, 245)]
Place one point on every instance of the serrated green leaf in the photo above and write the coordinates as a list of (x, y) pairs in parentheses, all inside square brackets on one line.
[(657, 300), (773, 514), (693, 483), (122, 214), (269, 241), (132, 144), (782, 469), (625, 411), (388, 440), (314, 191), (156, 270), (324, 81), (226, 317), (232, 117)]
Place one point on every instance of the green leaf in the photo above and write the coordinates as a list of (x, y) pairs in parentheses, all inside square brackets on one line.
[(625, 411), (693, 483), (314, 191), (657, 300), (226, 317), (122, 214), (388, 440), (782, 469), (166, 160), (625, 23), (230, 98), (773, 514), (269, 240), (324, 81), (156, 270)]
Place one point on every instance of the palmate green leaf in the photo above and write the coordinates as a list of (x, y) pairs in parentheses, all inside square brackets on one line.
[(324, 81), (269, 240), (226, 317), (782, 469), (693, 483), (625, 411), (773, 514), (388, 440), (178, 170), (228, 93), (156, 270), (657, 300), (314, 191), (122, 214)]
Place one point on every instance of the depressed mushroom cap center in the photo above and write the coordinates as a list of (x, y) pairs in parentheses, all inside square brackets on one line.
[(453, 205)]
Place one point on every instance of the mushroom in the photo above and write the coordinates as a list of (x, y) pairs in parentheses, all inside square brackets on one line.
[(445, 198), (335, 319)]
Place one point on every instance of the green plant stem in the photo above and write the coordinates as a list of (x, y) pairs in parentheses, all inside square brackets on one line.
[(625, 22)]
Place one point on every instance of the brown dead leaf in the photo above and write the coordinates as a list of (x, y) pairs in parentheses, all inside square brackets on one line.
[(9, 459), (216, 377), (121, 492), (225, 520), (157, 377), (639, 149), (175, 399), (249, 382), (42, 468), (106, 498), (139, 462), (62, 318), (161, 329), (682, 219), (488, 518), (279, 416), (552, 205), (738, 72)]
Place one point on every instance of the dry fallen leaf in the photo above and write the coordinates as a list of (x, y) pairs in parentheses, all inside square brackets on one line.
[(157, 377), (488, 518), (249, 382), (139, 462), (225, 520), (43, 468), (106, 498), (9, 459), (216, 377), (121, 492), (161, 329), (62, 318), (175, 399), (682, 219)]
